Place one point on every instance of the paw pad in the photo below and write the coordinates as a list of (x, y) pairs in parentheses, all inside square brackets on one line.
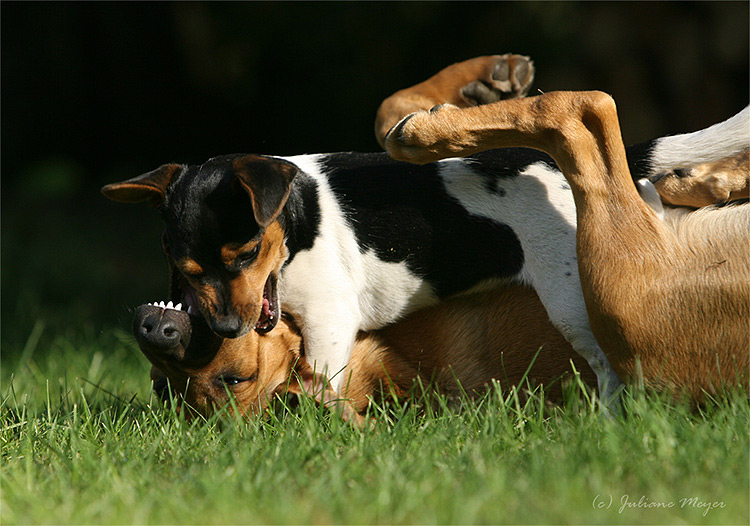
[(509, 77)]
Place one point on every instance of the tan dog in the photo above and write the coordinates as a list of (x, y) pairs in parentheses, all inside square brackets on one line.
[(669, 297), (450, 346)]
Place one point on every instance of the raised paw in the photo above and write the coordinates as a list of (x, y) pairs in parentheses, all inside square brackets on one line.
[(422, 137), (503, 77), (473, 82)]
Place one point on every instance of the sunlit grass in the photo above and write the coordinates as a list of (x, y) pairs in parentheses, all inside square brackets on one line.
[(84, 442)]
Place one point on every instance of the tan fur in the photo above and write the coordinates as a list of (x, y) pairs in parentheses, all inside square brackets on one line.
[(702, 185), (268, 358), (230, 252), (709, 183), (246, 290), (189, 266), (675, 298), (451, 81), (150, 187), (468, 340)]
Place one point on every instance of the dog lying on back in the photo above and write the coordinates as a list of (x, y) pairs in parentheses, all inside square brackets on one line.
[(450, 347), (667, 293), (460, 345), (349, 242)]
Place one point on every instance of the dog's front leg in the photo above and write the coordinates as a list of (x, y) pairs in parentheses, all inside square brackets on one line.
[(328, 346), (321, 294)]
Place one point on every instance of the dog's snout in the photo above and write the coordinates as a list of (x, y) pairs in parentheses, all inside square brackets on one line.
[(162, 330), (161, 333), (227, 326)]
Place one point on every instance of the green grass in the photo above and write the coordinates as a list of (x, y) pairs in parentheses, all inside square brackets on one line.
[(82, 442)]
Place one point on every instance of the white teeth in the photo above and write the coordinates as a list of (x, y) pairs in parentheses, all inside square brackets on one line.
[(171, 305)]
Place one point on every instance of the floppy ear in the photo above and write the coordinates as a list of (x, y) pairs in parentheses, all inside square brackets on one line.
[(306, 382), (268, 183), (150, 187)]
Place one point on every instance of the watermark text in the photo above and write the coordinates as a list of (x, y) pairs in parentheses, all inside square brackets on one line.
[(627, 502)]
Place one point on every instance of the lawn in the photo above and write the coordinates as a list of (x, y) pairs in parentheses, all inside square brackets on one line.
[(83, 442)]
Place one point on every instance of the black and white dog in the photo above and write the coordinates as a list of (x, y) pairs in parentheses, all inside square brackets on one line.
[(348, 241)]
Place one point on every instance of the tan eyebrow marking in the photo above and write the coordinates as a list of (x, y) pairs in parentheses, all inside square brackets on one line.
[(230, 251), (189, 266)]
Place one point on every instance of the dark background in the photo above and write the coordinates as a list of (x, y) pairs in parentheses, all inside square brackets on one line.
[(98, 92)]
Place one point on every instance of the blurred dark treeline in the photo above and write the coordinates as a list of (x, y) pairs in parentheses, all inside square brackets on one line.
[(95, 92)]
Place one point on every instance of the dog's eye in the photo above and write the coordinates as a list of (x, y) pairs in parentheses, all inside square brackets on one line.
[(248, 257), (231, 380)]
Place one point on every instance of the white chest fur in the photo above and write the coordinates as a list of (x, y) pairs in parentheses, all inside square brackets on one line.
[(335, 277)]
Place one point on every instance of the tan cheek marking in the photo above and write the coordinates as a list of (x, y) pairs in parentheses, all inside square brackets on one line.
[(273, 252), (247, 289), (242, 355)]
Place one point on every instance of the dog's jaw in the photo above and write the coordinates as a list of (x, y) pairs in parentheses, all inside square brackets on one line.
[(182, 292), (270, 310)]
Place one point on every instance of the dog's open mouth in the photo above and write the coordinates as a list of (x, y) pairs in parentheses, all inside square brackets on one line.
[(269, 313), (173, 306), (185, 294)]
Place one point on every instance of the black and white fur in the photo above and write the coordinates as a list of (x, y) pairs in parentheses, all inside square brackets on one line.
[(389, 238)]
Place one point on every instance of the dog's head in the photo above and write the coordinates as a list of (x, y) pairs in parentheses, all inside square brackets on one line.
[(206, 371), (224, 237)]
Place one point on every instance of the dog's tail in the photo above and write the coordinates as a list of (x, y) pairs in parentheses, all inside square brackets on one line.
[(689, 149), (704, 146)]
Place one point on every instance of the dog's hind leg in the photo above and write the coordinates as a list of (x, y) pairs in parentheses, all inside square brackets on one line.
[(567, 312), (473, 82), (701, 168), (675, 300), (706, 184), (559, 289)]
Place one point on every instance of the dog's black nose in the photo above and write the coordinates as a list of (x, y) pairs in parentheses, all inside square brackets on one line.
[(162, 330)]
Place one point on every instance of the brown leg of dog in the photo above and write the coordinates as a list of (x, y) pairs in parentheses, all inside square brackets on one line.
[(707, 184), (480, 80), (677, 300)]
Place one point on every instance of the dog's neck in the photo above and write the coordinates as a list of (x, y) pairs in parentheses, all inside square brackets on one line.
[(300, 216)]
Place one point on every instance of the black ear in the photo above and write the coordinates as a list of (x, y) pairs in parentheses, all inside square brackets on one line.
[(268, 181), (150, 187)]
